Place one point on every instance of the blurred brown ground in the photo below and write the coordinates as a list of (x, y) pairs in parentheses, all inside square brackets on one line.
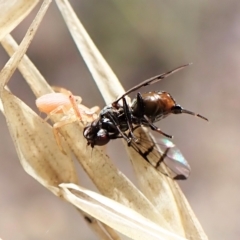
[(140, 39)]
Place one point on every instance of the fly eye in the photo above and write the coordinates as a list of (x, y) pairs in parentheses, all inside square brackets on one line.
[(102, 133), (102, 137), (87, 132)]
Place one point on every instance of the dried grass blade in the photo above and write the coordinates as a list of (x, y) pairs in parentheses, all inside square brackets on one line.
[(189, 219), (96, 226), (113, 214), (13, 62), (103, 75), (111, 232), (1, 107), (36, 146), (13, 12), (31, 74)]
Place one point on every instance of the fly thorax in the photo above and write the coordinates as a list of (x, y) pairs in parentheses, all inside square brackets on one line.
[(105, 110)]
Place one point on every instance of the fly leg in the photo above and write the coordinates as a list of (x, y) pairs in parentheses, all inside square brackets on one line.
[(155, 128), (129, 119), (116, 125), (140, 104), (140, 107)]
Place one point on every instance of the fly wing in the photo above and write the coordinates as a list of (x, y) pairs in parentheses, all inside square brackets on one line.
[(162, 155), (152, 81), (173, 159)]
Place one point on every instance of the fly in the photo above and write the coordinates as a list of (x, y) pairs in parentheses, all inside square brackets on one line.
[(118, 121), (121, 120)]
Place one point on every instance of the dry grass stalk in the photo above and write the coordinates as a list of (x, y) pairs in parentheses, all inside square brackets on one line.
[(164, 211)]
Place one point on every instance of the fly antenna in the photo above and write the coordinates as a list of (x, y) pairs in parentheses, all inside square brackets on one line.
[(177, 109), (194, 114)]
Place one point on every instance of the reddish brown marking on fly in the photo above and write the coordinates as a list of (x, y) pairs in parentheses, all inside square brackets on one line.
[(167, 100)]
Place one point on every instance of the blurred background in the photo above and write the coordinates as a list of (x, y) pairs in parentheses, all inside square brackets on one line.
[(139, 39)]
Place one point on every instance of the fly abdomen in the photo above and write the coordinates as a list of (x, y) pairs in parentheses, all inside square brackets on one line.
[(155, 105)]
